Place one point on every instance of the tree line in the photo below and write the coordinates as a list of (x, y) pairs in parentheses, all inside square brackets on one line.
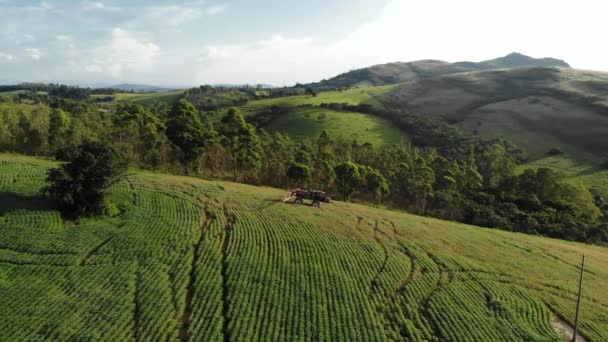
[(443, 174)]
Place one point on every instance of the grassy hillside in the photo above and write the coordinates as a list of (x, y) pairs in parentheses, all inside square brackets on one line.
[(11, 93), (301, 123), (188, 259), (302, 117), (393, 73), (354, 96), (537, 108), (594, 177)]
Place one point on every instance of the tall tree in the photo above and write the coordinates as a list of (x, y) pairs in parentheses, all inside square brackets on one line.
[(348, 178), (242, 143), (300, 174), (187, 132), (60, 123), (376, 184)]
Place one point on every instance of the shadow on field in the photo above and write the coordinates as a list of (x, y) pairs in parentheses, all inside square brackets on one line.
[(10, 201)]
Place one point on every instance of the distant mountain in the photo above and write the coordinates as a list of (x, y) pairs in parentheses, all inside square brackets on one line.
[(140, 88), (538, 108), (516, 60), (399, 72), (240, 85)]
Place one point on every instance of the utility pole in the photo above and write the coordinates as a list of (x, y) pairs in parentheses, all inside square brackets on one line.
[(578, 302)]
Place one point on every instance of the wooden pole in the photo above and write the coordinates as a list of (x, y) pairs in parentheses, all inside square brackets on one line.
[(578, 302)]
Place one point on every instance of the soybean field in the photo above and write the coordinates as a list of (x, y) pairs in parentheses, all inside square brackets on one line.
[(185, 259)]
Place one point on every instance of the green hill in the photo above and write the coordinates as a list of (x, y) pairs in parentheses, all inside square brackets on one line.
[(303, 117), (187, 259), (309, 122)]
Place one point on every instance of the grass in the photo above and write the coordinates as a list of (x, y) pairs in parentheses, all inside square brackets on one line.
[(11, 93), (301, 123), (354, 96), (536, 108), (302, 116), (168, 97), (593, 176), (184, 258)]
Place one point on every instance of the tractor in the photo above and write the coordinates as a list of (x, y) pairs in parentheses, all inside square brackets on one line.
[(317, 197)]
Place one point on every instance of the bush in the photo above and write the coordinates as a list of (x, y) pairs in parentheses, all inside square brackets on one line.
[(556, 151), (79, 186)]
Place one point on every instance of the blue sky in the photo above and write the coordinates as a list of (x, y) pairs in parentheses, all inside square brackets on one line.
[(182, 43)]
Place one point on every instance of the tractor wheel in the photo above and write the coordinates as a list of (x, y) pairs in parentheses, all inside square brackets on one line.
[(299, 201), (316, 204)]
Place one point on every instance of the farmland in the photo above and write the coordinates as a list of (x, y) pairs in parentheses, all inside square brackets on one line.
[(187, 259)]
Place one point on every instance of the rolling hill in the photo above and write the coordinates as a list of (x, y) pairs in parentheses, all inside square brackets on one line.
[(537, 108), (400, 72), (302, 116), (187, 259)]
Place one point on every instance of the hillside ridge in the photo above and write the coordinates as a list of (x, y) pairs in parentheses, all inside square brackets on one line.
[(398, 72)]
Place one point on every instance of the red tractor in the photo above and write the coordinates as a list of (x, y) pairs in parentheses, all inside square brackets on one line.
[(315, 196)]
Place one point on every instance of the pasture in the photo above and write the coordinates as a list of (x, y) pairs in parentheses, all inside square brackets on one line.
[(302, 123)]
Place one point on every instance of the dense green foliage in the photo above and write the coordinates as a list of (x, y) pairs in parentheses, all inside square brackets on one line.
[(444, 173), (79, 186), (183, 258), (186, 131)]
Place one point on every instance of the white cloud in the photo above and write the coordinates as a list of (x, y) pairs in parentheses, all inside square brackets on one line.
[(124, 55), (211, 54), (45, 5), (66, 40), (92, 5), (216, 9), (33, 53), (173, 16), (95, 67), (5, 57), (278, 60)]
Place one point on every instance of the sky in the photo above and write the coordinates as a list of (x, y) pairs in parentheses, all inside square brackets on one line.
[(280, 42)]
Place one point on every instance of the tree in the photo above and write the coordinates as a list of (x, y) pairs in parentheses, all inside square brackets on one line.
[(187, 132), (81, 183), (300, 174), (495, 165), (310, 91), (59, 127), (242, 142), (348, 178), (375, 183)]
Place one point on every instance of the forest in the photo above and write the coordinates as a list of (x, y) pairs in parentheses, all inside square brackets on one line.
[(443, 172)]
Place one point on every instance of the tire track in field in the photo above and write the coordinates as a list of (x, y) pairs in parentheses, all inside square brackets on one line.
[(137, 311), (186, 317), (230, 221), (374, 284), (86, 259), (410, 277), (424, 307)]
